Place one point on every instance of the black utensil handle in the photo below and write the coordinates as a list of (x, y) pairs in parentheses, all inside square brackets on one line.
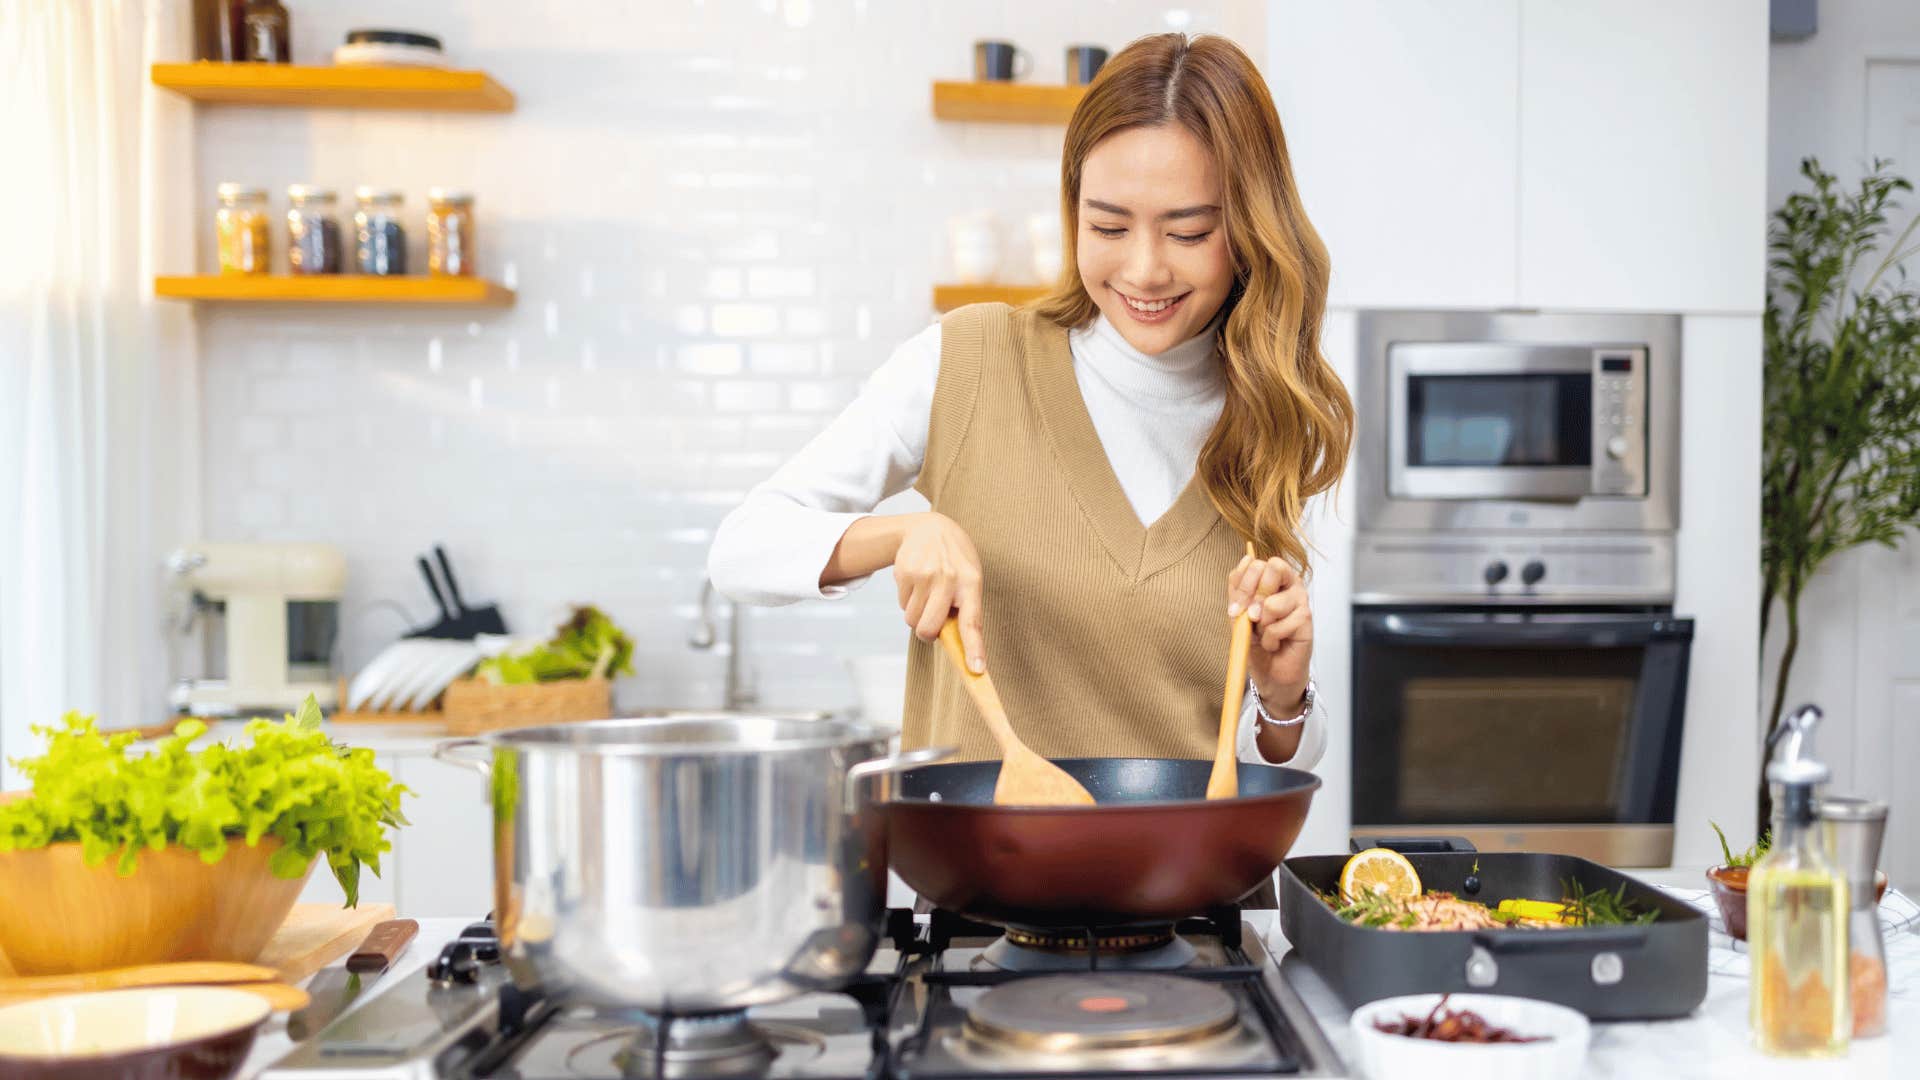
[(1530, 942), (433, 586), (1412, 845), (446, 571)]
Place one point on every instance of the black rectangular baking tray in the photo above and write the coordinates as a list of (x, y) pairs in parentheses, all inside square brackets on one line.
[(1651, 971)]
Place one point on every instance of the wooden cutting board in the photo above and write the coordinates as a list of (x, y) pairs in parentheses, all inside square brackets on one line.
[(316, 935)]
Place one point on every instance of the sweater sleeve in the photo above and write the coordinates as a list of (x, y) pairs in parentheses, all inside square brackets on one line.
[(772, 547)]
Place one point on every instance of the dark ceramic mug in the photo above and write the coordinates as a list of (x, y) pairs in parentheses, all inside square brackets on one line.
[(1000, 61), (1083, 63)]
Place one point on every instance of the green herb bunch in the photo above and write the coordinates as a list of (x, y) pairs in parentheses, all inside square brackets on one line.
[(290, 782), (588, 644), (1600, 907), (1747, 857)]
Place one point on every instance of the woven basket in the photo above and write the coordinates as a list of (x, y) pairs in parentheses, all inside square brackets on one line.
[(476, 705)]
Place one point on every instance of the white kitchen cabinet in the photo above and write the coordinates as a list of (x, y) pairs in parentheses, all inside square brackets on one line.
[(1643, 140), (441, 862), (444, 857), (1399, 119)]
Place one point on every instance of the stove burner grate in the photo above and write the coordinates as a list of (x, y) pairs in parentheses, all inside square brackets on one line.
[(1075, 1013)]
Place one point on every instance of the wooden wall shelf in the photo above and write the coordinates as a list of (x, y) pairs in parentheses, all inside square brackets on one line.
[(1005, 102), (948, 297), (333, 289), (335, 87)]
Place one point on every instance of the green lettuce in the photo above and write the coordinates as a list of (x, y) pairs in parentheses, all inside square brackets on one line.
[(587, 644), (290, 782)]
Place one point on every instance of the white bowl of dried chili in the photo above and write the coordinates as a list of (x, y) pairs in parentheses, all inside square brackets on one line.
[(1429, 1035)]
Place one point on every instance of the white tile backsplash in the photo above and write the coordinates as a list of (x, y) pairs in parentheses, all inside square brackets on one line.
[(719, 216)]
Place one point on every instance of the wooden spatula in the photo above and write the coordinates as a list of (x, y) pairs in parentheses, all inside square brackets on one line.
[(180, 973), (1026, 778), (1224, 782)]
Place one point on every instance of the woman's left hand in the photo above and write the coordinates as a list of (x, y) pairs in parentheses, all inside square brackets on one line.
[(1281, 650)]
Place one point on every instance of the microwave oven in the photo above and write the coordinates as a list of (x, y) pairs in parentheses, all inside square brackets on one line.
[(1518, 421)]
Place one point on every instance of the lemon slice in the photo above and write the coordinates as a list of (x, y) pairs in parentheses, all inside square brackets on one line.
[(1379, 871)]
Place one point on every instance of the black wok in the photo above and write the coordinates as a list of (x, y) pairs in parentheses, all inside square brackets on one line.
[(1153, 850)]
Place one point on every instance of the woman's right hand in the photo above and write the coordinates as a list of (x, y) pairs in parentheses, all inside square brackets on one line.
[(938, 571)]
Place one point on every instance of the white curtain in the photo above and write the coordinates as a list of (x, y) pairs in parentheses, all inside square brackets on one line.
[(99, 424)]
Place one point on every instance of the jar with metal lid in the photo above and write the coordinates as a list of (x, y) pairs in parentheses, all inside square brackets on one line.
[(313, 230), (449, 232), (380, 241), (240, 229)]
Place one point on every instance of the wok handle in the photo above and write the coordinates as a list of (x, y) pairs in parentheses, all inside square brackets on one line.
[(901, 762), (449, 752), (1611, 939)]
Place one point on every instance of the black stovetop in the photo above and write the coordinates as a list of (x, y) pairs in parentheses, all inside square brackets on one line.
[(904, 1019)]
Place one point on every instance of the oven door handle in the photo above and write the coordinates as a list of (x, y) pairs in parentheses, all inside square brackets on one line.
[(1586, 631)]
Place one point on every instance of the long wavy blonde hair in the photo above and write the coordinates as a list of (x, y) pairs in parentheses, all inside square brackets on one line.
[(1284, 434)]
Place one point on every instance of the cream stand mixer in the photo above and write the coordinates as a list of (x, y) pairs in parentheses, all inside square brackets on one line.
[(269, 615)]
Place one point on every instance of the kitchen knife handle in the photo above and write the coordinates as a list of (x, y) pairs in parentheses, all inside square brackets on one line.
[(433, 586), (446, 572), (384, 943)]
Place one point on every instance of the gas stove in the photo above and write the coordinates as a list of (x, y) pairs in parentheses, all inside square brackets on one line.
[(944, 998)]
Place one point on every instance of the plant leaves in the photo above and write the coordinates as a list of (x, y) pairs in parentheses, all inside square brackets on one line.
[(289, 781)]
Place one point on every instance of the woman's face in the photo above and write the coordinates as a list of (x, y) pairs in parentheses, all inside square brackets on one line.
[(1152, 249)]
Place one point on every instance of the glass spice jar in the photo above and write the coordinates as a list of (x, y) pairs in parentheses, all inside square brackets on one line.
[(240, 229), (449, 233), (313, 230), (380, 241), (269, 32)]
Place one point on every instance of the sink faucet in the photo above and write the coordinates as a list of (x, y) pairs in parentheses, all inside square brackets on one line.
[(740, 693)]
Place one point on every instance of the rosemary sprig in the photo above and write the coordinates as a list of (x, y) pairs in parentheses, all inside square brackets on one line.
[(1599, 907)]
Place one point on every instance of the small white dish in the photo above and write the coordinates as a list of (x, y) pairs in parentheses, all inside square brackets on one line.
[(1400, 1057), (110, 1023)]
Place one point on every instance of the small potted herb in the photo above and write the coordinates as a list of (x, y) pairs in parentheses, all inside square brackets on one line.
[(1728, 881)]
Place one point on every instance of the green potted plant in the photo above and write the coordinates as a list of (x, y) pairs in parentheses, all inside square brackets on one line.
[(116, 858), (1728, 881), (1842, 425)]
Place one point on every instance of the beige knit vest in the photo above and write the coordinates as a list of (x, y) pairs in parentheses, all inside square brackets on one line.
[(1105, 637)]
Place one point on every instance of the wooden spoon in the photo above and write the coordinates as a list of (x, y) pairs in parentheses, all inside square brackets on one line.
[(182, 973), (283, 997), (1026, 778), (1224, 782)]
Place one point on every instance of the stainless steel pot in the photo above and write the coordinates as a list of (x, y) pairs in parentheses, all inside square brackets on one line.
[(691, 863)]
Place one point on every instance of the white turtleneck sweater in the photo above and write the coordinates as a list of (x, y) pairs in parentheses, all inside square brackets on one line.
[(1152, 414)]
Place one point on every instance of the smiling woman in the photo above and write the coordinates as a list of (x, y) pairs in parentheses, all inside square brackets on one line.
[(1097, 461)]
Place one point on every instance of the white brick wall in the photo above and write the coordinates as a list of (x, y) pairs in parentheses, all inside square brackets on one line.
[(719, 216)]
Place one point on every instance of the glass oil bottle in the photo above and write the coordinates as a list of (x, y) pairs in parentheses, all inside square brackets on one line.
[(1797, 913)]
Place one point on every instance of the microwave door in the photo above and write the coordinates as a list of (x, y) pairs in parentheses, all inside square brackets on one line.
[(1490, 421)]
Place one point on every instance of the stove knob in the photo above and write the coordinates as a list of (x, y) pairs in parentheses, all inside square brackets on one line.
[(1495, 573), (1531, 573)]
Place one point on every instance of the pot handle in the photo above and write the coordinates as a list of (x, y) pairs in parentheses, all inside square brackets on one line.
[(901, 762), (448, 752)]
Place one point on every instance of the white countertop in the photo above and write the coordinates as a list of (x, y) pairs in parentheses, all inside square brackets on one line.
[(1712, 1043)]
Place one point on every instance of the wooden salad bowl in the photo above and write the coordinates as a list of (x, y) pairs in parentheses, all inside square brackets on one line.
[(64, 916)]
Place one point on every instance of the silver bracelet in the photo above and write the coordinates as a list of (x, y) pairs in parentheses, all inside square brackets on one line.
[(1261, 716)]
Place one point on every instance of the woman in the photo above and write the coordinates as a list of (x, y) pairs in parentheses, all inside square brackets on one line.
[(1172, 377)]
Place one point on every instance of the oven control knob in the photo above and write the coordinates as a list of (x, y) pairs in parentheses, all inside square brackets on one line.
[(1495, 573), (1617, 447), (1531, 573)]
